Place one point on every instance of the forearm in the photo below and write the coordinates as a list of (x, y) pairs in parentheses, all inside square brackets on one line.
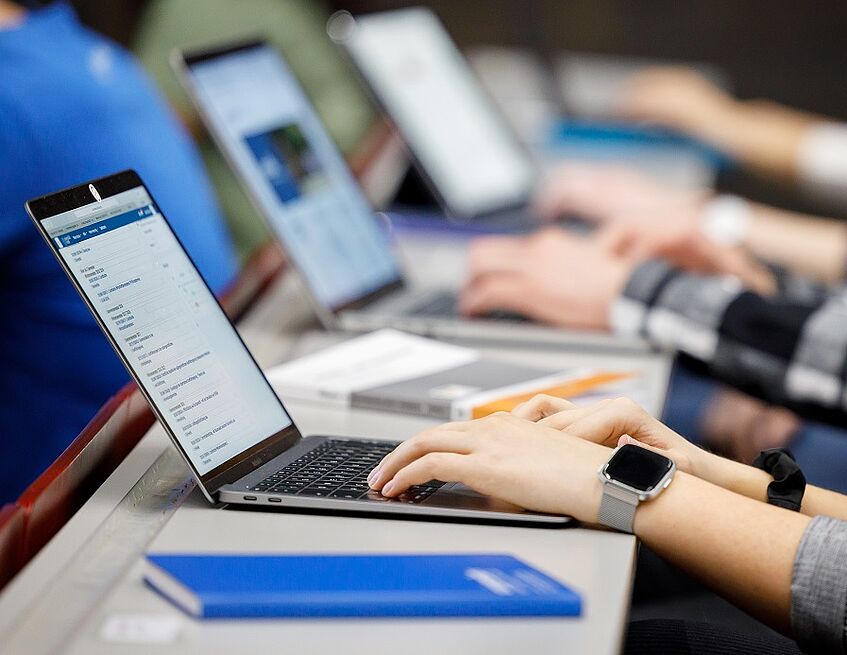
[(763, 135), (753, 483), (807, 245), (742, 549), (823, 502)]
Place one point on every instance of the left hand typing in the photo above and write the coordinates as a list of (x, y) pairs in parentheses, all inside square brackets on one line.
[(528, 464)]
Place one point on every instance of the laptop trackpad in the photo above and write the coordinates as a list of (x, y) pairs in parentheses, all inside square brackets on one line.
[(461, 496)]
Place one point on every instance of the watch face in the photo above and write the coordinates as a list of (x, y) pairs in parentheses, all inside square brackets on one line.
[(638, 467)]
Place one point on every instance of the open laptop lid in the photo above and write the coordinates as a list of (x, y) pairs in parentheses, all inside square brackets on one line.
[(167, 327), (460, 143), (272, 137)]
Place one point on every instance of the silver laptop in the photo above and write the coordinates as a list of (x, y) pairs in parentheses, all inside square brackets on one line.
[(209, 394), (274, 141), (471, 159)]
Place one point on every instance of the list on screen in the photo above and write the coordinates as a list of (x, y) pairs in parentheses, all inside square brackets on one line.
[(171, 331)]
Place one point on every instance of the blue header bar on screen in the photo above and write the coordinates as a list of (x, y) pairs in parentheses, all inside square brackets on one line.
[(101, 227)]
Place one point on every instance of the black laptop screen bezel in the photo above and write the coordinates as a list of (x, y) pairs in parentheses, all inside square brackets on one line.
[(234, 468)]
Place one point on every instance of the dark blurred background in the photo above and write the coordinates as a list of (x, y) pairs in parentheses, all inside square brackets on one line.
[(789, 51)]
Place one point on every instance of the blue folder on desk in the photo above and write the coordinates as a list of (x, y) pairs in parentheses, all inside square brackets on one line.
[(315, 586)]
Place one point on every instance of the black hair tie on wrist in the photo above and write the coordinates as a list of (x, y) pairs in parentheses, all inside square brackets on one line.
[(789, 483)]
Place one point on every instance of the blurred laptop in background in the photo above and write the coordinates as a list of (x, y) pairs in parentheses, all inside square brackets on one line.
[(270, 134), (475, 160)]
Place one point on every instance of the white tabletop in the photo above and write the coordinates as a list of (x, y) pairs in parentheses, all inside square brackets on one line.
[(58, 583)]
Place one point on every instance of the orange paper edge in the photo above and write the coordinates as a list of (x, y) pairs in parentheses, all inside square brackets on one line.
[(565, 390)]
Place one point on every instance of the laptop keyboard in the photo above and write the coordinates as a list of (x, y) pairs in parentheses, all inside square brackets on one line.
[(339, 469), (440, 305), (445, 305)]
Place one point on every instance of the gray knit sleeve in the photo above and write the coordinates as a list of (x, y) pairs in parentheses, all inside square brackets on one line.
[(819, 588)]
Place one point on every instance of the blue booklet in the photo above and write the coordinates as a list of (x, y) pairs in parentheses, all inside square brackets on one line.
[(623, 136), (295, 586)]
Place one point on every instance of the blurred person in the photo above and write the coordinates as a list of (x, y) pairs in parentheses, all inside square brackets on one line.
[(716, 521), (769, 138), (652, 218), (765, 332), (699, 232), (75, 106), (788, 144)]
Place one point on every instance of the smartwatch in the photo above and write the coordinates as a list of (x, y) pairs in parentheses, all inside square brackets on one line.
[(632, 475)]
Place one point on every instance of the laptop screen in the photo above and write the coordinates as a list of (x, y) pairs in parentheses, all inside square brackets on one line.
[(272, 136), (168, 327), (430, 92)]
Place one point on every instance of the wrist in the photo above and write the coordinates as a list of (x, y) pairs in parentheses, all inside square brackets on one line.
[(711, 468), (721, 125), (592, 485), (725, 220), (733, 476), (595, 497), (767, 136), (631, 477), (648, 516)]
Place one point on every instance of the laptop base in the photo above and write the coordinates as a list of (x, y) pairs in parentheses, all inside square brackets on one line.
[(441, 501)]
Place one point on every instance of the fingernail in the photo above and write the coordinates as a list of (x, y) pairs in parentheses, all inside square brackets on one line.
[(373, 474), (386, 490)]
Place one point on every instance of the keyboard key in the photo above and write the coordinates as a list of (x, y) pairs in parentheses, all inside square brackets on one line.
[(312, 491), (375, 496), (353, 490), (335, 467), (441, 305), (286, 490), (346, 495)]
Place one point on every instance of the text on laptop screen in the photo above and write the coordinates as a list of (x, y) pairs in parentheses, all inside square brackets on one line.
[(294, 171), (168, 326), (432, 95)]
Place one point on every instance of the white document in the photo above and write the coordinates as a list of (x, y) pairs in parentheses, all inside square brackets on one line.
[(379, 358)]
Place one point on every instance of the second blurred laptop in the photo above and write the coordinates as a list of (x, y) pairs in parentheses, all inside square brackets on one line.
[(471, 158), (273, 139)]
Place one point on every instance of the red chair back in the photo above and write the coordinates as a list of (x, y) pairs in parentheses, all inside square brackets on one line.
[(64, 487), (11, 542)]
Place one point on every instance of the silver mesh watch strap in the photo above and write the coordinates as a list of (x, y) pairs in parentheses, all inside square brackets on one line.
[(617, 509)]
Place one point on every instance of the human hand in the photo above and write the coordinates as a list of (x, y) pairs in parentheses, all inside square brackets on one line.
[(608, 193), (527, 464), (552, 276), (740, 426), (642, 218), (681, 99), (613, 423), (691, 252), (761, 133)]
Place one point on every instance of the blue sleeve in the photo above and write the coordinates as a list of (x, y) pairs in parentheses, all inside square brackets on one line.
[(18, 176)]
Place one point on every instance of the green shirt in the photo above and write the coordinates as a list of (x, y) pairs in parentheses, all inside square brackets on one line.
[(298, 29)]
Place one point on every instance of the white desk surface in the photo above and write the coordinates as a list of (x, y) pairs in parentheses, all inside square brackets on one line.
[(600, 565)]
